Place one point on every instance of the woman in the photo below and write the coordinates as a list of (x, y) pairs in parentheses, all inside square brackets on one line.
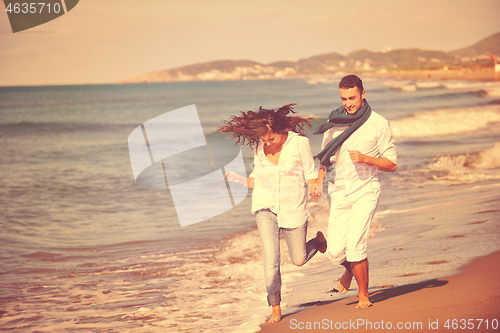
[(282, 159)]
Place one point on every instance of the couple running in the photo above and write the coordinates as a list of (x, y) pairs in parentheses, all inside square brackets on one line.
[(360, 143)]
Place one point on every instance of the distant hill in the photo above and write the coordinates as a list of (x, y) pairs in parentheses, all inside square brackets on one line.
[(485, 47), (325, 64)]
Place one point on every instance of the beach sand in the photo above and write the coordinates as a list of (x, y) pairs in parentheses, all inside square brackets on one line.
[(483, 75), (467, 301)]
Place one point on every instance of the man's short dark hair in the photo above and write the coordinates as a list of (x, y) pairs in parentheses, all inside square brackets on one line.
[(351, 81)]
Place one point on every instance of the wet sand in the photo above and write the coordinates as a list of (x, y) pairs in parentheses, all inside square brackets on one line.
[(467, 301)]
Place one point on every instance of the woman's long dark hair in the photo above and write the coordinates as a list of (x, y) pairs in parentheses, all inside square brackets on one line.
[(250, 126)]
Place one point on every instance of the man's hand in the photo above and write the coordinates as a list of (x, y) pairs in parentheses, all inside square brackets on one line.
[(382, 163), (357, 157)]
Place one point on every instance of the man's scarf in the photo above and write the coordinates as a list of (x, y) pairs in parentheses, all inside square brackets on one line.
[(340, 118)]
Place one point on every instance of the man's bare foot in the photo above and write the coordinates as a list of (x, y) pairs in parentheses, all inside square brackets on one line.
[(344, 282), (322, 242), (364, 302), (360, 272), (276, 314)]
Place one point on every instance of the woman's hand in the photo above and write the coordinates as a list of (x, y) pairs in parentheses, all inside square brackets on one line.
[(235, 178), (314, 190)]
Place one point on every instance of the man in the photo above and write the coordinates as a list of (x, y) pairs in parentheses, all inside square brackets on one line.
[(360, 142)]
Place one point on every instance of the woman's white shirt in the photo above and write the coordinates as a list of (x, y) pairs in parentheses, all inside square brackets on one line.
[(280, 188)]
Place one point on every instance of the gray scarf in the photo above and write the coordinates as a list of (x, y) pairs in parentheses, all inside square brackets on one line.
[(340, 118)]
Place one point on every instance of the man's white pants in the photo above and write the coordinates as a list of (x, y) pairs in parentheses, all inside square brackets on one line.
[(349, 223)]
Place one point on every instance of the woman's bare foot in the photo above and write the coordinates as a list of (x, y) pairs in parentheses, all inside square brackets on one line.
[(276, 314), (344, 282), (322, 242)]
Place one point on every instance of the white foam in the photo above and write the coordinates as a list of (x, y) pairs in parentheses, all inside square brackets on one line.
[(427, 84), (470, 85), (468, 168), (396, 84), (445, 122), (231, 284), (228, 284), (493, 91)]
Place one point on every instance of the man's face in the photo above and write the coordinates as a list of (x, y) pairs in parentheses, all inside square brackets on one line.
[(352, 99)]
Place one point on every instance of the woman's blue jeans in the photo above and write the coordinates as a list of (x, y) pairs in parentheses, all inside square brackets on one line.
[(300, 251)]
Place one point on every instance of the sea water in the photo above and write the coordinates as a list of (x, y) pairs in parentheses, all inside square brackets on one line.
[(83, 248)]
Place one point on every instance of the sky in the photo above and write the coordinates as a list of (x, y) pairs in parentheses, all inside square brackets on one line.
[(103, 41)]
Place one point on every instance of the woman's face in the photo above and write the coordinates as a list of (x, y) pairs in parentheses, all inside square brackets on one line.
[(271, 139)]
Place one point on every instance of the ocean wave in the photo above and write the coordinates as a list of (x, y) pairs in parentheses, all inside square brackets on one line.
[(445, 122), (410, 85), (471, 85), (407, 86), (481, 89), (428, 84), (491, 89), (468, 168)]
